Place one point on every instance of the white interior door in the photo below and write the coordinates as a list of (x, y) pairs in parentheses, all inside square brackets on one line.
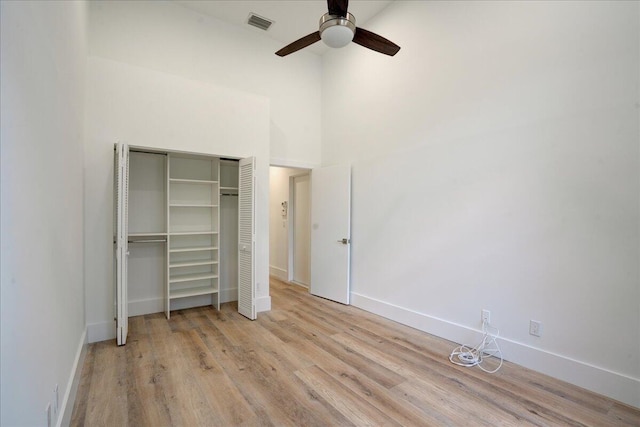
[(122, 246), (246, 238), (331, 232)]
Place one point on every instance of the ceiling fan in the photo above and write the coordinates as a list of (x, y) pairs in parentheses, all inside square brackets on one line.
[(338, 29)]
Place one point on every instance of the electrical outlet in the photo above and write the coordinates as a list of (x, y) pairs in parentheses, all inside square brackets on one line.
[(486, 316), (535, 328)]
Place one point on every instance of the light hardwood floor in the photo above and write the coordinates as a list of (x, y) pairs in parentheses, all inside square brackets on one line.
[(312, 362)]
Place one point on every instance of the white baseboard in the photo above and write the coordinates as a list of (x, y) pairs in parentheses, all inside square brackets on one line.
[(147, 306), (612, 384), (69, 399), (228, 295), (102, 331), (263, 304), (278, 273), (302, 285), (291, 282)]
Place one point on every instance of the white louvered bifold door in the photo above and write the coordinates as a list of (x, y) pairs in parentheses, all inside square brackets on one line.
[(246, 239), (122, 247)]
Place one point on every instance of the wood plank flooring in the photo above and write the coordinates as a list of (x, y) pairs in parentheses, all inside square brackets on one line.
[(312, 362)]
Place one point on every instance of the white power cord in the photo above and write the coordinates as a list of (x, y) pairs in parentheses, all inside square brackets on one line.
[(474, 356)]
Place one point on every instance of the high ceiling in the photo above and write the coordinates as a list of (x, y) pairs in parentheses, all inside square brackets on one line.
[(293, 18)]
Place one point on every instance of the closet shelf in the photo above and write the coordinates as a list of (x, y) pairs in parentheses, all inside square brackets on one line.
[(229, 188), (191, 292), (192, 277), (190, 233), (160, 234), (192, 263), (193, 181), (191, 205), (193, 249)]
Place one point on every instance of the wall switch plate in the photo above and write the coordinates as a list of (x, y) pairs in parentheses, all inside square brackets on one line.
[(535, 328), (486, 316)]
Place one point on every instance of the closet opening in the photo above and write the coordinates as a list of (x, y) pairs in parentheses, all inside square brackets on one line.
[(184, 232)]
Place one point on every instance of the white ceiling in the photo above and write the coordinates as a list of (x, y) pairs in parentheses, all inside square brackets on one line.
[(293, 19)]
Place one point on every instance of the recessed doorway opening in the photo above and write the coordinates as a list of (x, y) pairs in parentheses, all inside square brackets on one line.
[(290, 225)]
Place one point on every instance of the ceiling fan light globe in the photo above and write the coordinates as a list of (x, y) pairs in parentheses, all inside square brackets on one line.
[(337, 31), (337, 36)]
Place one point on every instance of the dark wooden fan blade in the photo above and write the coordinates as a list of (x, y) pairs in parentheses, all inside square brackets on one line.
[(375, 42), (338, 7), (299, 44)]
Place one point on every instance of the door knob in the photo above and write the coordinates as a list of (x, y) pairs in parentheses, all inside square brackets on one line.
[(344, 241)]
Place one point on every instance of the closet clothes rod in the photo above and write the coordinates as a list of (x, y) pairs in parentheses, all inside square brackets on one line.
[(149, 241), (228, 194)]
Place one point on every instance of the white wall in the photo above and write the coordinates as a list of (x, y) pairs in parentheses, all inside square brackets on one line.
[(278, 226), (496, 166), (42, 298), (163, 75), (154, 109), (165, 36)]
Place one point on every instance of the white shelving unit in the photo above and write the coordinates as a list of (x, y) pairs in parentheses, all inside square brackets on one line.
[(193, 219)]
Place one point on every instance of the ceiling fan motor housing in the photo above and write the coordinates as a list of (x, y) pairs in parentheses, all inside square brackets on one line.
[(337, 31)]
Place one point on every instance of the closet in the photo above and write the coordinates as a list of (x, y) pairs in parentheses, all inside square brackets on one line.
[(185, 232)]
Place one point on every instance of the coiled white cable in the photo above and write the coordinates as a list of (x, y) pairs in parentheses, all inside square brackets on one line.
[(467, 356)]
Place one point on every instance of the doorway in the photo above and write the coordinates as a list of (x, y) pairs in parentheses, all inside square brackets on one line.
[(290, 225), (299, 231)]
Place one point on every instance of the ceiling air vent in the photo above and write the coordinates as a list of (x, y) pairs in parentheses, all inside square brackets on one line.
[(259, 21)]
